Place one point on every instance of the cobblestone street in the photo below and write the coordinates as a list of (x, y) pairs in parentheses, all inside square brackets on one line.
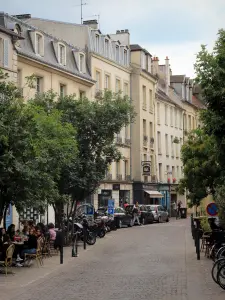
[(149, 262)]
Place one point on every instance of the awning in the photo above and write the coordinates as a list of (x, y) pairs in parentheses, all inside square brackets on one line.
[(154, 194)]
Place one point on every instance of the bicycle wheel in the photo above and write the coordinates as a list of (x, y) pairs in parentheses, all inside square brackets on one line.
[(220, 253), (221, 277), (216, 267)]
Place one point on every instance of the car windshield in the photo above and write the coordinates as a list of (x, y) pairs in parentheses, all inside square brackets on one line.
[(153, 207)]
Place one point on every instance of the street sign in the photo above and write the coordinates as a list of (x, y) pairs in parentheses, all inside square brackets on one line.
[(111, 204), (89, 210), (212, 209)]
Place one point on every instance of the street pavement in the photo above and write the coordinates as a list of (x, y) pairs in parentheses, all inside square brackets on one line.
[(155, 262)]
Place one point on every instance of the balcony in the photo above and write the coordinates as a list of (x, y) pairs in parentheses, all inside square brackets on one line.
[(108, 176), (119, 140), (119, 177), (127, 177), (145, 140), (127, 142)]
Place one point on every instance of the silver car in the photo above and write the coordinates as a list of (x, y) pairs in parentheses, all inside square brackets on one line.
[(160, 213)]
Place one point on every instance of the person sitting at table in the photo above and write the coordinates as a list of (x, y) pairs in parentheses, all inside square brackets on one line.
[(52, 232), (25, 230), (31, 243), (11, 231), (4, 247)]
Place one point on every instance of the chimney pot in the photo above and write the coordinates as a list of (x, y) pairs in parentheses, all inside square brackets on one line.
[(167, 58), (118, 31)]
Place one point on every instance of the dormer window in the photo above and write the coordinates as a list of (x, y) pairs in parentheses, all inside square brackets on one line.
[(106, 48), (97, 43), (82, 68), (39, 44), (62, 54), (117, 53)]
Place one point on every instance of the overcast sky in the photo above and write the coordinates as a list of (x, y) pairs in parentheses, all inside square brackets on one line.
[(172, 28)]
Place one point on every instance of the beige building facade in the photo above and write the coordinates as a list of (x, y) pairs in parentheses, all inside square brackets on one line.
[(107, 58)]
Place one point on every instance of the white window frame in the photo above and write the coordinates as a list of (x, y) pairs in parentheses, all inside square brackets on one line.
[(107, 81), (82, 68), (97, 42), (106, 48), (117, 53), (39, 49), (62, 59), (63, 86), (5, 58), (118, 89), (39, 82), (98, 80)]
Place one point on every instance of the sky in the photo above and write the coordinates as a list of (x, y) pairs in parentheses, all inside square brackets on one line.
[(172, 28)]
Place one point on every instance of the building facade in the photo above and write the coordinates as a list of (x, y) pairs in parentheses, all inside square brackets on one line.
[(108, 61), (143, 137)]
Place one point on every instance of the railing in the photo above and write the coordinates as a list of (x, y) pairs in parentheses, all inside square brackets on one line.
[(119, 177), (119, 140), (127, 142), (108, 177), (127, 177)]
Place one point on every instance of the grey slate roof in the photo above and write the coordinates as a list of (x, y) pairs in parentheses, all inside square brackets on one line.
[(136, 47), (27, 48), (177, 78), (160, 94)]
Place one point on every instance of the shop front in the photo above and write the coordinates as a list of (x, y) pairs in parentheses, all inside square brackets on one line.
[(147, 193), (117, 191)]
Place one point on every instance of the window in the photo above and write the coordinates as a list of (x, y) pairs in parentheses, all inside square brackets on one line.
[(118, 86), (106, 48), (82, 94), (117, 53), (168, 171), (172, 147), (159, 142), (150, 101), (175, 111), (189, 123), (117, 167), (144, 104), (96, 43), (107, 82), (126, 168), (144, 127), (97, 78), (167, 144), (173, 172), (19, 81), (171, 116), (38, 85), (158, 113), (178, 172), (181, 120), (151, 130), (62, 90), (39, 44), (62, 54), (160, 172), (166, 114), (152, 165), (5, 44), (82, 63), (125, 57), (125, 89)]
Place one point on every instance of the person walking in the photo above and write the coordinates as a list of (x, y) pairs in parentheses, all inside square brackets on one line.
[(136, 211), (179, 209)]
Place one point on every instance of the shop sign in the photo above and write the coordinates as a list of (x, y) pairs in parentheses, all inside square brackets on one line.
[(106, 193), (146, 168)]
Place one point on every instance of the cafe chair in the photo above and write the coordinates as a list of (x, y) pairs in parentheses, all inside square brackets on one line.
[(38, 255), (9, 258)]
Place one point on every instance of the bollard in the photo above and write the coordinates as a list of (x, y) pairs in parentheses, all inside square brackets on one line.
[(74, 247), (198, 243), (61, 254), (85, 237)]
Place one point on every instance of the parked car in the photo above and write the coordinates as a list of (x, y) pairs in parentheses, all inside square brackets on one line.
[(145, 215), (160, 213), (122, 217)]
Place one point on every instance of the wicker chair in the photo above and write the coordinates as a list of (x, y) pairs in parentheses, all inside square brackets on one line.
[(8, 260), (38, 255)]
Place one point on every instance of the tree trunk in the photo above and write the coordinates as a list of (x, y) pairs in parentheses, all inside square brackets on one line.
[(58, 208)]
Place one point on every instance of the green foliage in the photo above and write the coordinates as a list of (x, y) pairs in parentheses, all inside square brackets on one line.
[(201, 170), (205, 224), (219, 199)]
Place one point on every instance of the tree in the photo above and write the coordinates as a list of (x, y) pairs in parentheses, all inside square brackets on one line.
[(201, 170), (96, 122), (34, 146), (210, 71)]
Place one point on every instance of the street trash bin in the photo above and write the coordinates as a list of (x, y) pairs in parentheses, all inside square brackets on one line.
[(183, 213)]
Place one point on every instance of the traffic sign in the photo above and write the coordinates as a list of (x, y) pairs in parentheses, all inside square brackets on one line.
[(90, 211), (111, 204), (111, 211), (212, 209)]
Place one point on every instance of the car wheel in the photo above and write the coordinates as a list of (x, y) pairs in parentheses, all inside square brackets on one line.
[(120, 224), (167, 220), (159, 219)]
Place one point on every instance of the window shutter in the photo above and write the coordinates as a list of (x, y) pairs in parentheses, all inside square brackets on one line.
[(6, 53)]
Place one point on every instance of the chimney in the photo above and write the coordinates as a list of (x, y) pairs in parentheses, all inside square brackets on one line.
[(155, 65), (167, 71), (91, 23), (123, 36)]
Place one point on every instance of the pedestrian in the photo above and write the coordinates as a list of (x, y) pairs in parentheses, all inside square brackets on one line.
[(125, 204), (136, 211), (179, 209)]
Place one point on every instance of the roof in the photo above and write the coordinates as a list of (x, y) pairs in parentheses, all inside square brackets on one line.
[(196, 102), (136, 47), (177, 78), (162, 95), (26, 48), (10, 32)]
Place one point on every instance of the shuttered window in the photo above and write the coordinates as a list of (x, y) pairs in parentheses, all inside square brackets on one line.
[(6, 53)]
